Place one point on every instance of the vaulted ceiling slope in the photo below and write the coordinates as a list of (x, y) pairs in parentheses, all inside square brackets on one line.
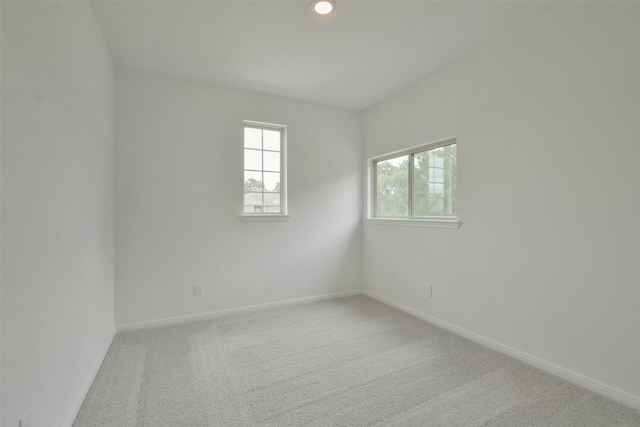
[(352, 58)]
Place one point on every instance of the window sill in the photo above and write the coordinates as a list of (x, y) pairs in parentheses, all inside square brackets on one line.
[(264, 217), (415, 222)]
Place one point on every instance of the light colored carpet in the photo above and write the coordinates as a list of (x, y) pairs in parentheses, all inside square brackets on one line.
[(345, 362)]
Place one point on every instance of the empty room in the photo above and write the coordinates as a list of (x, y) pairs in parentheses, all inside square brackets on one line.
[(320, 213)]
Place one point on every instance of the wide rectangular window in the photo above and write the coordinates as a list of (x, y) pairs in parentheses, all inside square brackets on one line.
[(264, 169), (417, 183)]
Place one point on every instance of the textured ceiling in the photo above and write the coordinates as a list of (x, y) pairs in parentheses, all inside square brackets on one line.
[(361, 53)]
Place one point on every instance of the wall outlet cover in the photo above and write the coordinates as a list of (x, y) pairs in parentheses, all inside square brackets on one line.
[(199, 290)]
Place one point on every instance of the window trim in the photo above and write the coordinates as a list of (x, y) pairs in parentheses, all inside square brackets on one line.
[(283, 215), (415, 222), (450, 221), (267, 217)]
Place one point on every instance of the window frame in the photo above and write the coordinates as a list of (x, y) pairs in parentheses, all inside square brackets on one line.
[(448, 221), (283, 215)]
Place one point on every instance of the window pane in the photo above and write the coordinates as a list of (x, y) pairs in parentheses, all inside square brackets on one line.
[(253, 138), (434, 158), (271, 161), (392, 187), (253, 159), (253, 202), (252, 181), (271, 140), (434, 182), (436, 189), (436, 175), (271, 202), (271, 181)]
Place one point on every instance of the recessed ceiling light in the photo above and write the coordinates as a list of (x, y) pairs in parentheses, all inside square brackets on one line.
[(323, 7)]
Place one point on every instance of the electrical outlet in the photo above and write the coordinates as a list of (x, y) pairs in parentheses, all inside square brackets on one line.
[(199, 290), (24, 421), (429, 291)]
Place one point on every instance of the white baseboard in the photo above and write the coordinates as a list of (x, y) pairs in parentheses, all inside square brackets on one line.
[(91, 376), (574, 377), (219, 313)]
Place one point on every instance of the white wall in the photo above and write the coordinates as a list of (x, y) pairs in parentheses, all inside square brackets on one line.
[(179, 194), (57, 208), (547, 258)]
